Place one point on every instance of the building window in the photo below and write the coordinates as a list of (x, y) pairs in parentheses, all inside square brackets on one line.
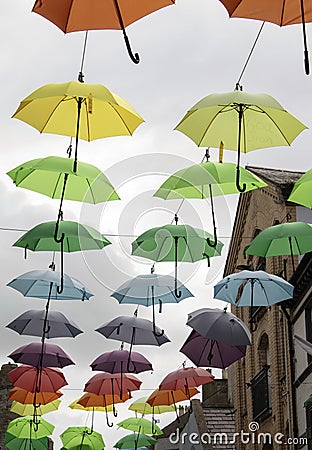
[(260, 390)]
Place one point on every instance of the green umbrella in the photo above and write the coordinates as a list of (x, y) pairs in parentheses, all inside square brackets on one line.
[(207, 179), (135, 441), (301, 192), (291, 238), (48, 175), (14, 443), (82, 438), (25, 428), (77, 237), (243, 121), (175, 243), (140, 425)]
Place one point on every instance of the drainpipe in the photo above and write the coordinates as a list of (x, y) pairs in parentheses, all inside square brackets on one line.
[(290, 378)]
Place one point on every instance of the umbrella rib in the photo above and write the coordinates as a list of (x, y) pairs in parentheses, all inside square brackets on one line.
[(52, 112), (264, 291), (277, 126), (126, 126), (91, 192), (220, 354), (26, 176), (208, 125), (56, 184)]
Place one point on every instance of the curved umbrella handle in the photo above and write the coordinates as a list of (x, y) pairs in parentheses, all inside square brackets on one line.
[(177, 293), (134, 57), (160, 305), (213, 243), (155, 332), (114, 411), (61, 287), (154, 430), (238, 187), (110, 425)]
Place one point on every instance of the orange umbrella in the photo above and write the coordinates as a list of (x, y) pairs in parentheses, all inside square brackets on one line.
[(79, 15), (171, 397), (282, 12), (26, 397)]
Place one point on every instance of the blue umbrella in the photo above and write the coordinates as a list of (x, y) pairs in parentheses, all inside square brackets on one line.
[(248, 288), (145, 289), (37, 284)]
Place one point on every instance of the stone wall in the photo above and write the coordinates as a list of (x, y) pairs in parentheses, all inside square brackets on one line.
[(5, 415)]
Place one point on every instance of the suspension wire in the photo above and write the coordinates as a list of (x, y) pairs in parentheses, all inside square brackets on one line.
[(249, 56)]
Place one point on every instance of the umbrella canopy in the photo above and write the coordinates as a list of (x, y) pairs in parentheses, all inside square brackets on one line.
[(280, 12), (141, 406), (185, 378), (49, 175), (170, 396), (48, 355), (133, 330), (29, 410), (24, 428), (113, 14), (135, 441), (117, 361), (301, 192), (37, 284), (82, 437), (26, 377), (28, 398), (196, 181), (108, 383), (248, 288), (13, 443), (89, 400), (243, 121), (219, 325), (140, 425), (204, 352), (76, 405), (57, 325), (78, 237)]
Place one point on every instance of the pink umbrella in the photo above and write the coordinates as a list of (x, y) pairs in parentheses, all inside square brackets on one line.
[(36, 354)]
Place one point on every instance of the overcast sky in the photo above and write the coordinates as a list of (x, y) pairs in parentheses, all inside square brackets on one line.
[(187, 51)]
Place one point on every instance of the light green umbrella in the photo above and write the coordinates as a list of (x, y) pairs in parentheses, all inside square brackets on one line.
[(302, 190), (26, 428), (291, 238), (243, 121), (140, 425), (82, 438), (14, 443), (74, 237), (175, 243), (48, 176), (206, 180), (134, 441), (28, 409)]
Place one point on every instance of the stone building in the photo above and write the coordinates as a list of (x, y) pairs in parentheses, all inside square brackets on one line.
[(5, 415), (261, 383)]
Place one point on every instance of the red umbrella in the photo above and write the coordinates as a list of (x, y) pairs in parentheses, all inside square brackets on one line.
[(111, 383), (30, 378), (186, 378)]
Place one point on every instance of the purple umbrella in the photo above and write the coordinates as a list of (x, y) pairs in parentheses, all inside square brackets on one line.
[(38, 355), (206, 352), (120, 361)]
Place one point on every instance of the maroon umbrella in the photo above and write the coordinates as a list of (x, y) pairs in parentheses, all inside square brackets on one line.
[(48, 355), (206, 352), (121, 361)]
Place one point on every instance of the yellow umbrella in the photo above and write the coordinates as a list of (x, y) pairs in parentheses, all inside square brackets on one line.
[(29, 410), (76, 405), (142, 407), (86, 111)]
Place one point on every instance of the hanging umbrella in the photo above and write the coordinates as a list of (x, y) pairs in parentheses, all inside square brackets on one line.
[(26, 377), (135, 441), (29, 410), (83, 438), (243, 121), (110, 383), (207, 180), (28, 398), (205, 352), (120, 361), (89, 400), (54, 176), (248, 288), (112, 14), (186, 378), (143, 289), (13, 443), (175, 243), (87, 111), (74, 237), (31, 323), (51, 355), (280, 12), (301, 192), (78, 406), (141, 406), (24, 428), (140, 425), (219, 325), (39, 283), (159, 398)]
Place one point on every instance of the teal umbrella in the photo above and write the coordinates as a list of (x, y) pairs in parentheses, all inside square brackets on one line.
[(14, 443), (301, 192)]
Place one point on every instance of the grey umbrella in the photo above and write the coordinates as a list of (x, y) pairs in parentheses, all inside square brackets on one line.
[(219, 325), (32, 323)]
